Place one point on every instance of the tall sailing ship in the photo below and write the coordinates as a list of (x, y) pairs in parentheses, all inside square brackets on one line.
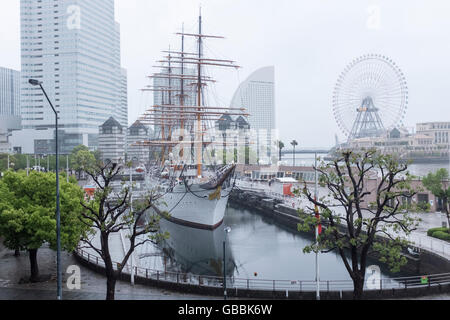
[(193, 193)]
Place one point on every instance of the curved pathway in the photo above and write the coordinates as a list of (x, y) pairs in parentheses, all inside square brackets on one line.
[(93, 285)]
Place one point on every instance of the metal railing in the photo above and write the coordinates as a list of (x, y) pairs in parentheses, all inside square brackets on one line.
[(440, 247), (275, 285)]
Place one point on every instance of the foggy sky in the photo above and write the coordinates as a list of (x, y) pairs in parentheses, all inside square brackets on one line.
[(309, 42)]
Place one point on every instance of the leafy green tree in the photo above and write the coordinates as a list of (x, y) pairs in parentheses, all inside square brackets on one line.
[(28, 220), (438, 184), (4, 161), (98, 155), (347, 205), (113, 211), (82, 160), (79, 148)]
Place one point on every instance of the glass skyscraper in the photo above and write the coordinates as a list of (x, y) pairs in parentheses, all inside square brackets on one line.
[(73, 47), (9, 98), (9, 106), (257, 95)]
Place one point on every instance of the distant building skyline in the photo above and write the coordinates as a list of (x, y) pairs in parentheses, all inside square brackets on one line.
[(74, 49), (287, 35), (430, 140)]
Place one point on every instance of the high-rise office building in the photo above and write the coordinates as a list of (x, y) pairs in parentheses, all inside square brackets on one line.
[(257, 95), (9, 106), (73, 47), (122, 109), (9, 99)]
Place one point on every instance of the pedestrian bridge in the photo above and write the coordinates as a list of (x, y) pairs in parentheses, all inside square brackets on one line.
[(305, 151)]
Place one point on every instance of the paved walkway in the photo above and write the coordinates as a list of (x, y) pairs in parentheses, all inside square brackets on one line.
[(93, 285)]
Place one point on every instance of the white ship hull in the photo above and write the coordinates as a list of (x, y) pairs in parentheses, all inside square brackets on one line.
[(195, 205), (194, 209)]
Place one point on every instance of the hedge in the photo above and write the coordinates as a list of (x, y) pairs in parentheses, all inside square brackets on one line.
[(432, 231), (442, 235)]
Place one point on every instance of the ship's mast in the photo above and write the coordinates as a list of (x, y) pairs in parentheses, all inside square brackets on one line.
[(199, 138), (171, 116), (169, 135), (182, 92)]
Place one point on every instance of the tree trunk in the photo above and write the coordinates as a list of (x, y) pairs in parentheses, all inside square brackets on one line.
[(17, 253), (446, 212), (110, 288), (34, 265), (358, 287)]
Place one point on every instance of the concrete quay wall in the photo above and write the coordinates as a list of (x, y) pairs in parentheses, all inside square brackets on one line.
[(426, 263)]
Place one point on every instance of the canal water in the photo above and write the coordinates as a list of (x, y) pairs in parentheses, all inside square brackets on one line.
[(256, 248), (417, 169)]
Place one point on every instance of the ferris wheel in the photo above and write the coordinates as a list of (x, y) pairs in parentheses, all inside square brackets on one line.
[(370, 97)]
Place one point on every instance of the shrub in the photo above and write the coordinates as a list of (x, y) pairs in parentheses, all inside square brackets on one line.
[(432, 231), (423, 206), (442, 235)]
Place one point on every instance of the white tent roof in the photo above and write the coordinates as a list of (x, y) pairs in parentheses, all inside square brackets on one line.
[(287, 180)]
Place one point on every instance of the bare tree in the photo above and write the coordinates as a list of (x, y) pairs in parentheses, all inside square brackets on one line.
[(366, 211), (111, 212)]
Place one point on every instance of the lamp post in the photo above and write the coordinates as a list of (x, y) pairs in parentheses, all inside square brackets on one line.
[(34, 82), (227, 230), (131, 211), (317, 230)]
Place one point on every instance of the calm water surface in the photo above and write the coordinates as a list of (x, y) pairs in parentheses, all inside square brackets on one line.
[(255, 245)]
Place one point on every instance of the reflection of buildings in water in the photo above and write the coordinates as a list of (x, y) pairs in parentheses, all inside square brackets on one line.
[(197, 251)]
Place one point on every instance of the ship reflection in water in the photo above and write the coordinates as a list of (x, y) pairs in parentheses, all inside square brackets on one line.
[(256, 248), (190, 250)]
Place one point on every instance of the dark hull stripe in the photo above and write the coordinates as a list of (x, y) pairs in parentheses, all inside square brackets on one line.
[(193, 224), (189, 223)]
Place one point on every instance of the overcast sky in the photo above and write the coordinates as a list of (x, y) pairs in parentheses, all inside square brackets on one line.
[(309, 42)]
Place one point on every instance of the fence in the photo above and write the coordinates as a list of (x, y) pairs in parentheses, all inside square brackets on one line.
[(437, 246), (276, 285)]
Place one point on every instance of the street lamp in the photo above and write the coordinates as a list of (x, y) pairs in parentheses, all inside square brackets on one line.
[(34, 82), (227, 231), (317, 229)]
